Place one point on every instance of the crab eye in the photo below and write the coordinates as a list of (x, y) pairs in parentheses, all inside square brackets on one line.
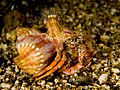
[(69, 40)]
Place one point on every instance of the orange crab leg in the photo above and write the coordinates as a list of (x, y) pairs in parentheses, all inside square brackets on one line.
[(59, 65), (57, 59), (65, 66)]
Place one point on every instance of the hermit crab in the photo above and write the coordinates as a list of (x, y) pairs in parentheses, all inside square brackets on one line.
[(59, 49)]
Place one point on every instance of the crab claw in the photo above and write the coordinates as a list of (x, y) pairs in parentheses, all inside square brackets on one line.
[(74, 69)]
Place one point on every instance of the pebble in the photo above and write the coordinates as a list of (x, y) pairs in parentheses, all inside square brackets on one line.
[(50, 83), (6, 85), (24, 88), (105, 87), (16, 82), (68, 84), (8, 62), (103, 78), (115, 77), (47, 86), (106, 69), (73, 86), (105, 65), (42, 82), (115, 70), (56, 80), (75, 74), (24, 84), (104, 38), (96, 66), (94, 59), (8, 70), (64, 81), (118, 83), (4, 46), (16, 69), (94, 75), (6, 79), (105, 54), (119, 59), (13, 88)]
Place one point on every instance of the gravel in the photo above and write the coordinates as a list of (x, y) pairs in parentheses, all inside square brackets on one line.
[(100, 19)]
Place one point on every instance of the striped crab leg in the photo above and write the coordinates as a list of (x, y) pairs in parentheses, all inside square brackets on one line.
[(52, 68), (57, 59)]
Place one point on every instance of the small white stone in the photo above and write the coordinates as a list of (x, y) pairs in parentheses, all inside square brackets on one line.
[(119, 59), (106, 69), (5, 85), (94, 75), (105, 64), (42, 83), (13, 88), (75, 74), (117, 77), (16, 82), (16, 69), (8, 69), (68, 84), (24, 84), (94, 59), (7, 79), (50, 83), (64, 81), (56, 81), (47, 86), (105, 87), (103, 78), (73, 79), (118, 83), (115, 70)]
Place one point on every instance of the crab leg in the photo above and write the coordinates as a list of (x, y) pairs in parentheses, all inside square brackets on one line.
[(57, 59), (65, 66), (59, 65)]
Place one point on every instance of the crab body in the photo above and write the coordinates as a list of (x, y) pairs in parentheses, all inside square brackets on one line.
[(41, 54)]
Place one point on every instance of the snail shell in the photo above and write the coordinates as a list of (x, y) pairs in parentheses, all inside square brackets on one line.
[(35, 50)]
